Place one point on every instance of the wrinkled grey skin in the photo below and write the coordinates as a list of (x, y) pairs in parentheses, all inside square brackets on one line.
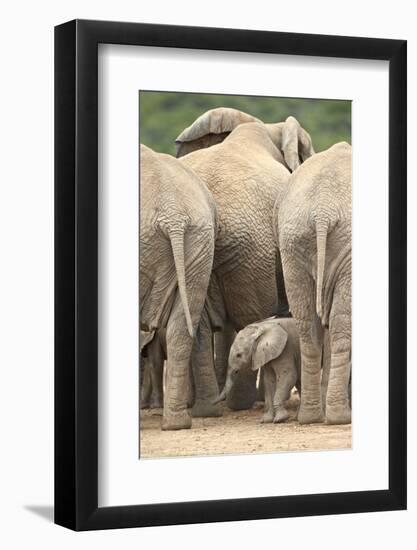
[(223, 332), (273, 346), (313, 220), (325, 373), (243, 392), (178, 225), (223, 340), (153, 356), (245, 174)]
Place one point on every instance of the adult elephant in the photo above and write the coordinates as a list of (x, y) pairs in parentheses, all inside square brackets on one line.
[(178, 226), (313, 227), (245, 173)]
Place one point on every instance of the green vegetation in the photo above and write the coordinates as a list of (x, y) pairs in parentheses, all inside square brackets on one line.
[(163, 115)]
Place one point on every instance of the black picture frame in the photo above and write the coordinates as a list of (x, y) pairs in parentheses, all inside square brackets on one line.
[(76, 271)]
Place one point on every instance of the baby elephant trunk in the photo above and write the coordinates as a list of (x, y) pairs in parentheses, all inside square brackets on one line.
[(226, 390)]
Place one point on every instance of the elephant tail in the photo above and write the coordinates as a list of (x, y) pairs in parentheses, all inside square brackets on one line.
[(321, 236), (177, 244)]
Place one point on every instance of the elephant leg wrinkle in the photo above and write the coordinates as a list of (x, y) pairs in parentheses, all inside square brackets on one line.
[(206, 387), (338, 410), (311, 410), (178, 420), (175, 415)]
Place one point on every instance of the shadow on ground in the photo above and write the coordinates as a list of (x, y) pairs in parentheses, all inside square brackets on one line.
[(45, 512)]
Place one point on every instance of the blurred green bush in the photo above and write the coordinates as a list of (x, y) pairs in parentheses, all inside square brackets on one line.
[(163, 115)]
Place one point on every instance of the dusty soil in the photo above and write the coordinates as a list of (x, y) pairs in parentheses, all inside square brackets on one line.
[(238, 432)]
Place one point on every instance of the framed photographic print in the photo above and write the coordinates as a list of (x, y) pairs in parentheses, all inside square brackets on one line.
[(230, 248)]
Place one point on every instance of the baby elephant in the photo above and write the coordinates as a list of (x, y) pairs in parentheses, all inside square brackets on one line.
[(272, 344)]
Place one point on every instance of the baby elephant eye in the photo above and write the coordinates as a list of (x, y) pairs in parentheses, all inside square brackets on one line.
[(238, 355)]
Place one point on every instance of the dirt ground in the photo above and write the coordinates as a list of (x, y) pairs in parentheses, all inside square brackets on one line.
[(238, 432)]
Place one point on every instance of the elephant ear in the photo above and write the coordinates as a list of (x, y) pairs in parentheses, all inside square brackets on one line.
[(210, 128), (296, 143), (269, 345)]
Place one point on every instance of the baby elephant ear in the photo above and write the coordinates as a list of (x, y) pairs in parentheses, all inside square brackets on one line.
[(296, 143), (210, 128), (269, 345)]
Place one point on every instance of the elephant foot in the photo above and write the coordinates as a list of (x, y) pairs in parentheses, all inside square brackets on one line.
[(203, 409), (176, 421), (338, 415), (310, 415), (267, 418), (144, 405), (281, 416)]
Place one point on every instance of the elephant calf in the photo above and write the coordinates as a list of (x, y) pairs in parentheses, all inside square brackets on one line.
[(272, 344)]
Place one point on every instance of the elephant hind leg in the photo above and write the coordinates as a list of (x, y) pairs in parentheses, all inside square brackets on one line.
[(157, 396), (325, 371), (286, 377), (301, 291), (179, 345), (310, 410), (154, 364), (338, 410), (205, 382), (223, 341), (145, 383), (199, 254)]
